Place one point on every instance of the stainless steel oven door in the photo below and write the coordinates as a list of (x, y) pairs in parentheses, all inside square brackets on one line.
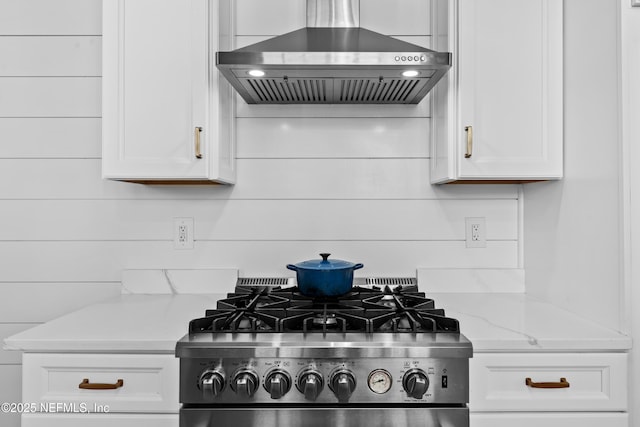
[(323, 417)]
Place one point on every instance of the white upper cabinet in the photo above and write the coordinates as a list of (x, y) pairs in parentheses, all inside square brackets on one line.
[(167, 116), (497, 114)]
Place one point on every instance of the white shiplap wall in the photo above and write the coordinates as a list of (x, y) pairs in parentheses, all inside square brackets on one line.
[(50, 71), (351, 180)]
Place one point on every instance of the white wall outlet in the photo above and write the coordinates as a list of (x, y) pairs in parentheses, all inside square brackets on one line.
[(476, 232), (183, 233)]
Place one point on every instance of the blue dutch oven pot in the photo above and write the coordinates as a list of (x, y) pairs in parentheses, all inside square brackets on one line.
[(324, 277)]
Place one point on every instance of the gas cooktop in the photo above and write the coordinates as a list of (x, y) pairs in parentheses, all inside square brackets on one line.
[(372, 305)]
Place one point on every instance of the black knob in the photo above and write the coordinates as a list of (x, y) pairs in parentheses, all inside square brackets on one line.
[(310, 384), (325, 256), (343, 383), (245, 383), (211, 383), (415, 383), (278, 383)]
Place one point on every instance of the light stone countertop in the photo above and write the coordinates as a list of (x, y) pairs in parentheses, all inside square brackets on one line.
[(517, 322), (127, 324), (153, 323)]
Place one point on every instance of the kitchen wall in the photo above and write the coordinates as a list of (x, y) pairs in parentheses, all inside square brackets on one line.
[(573, 228), (350, 180)]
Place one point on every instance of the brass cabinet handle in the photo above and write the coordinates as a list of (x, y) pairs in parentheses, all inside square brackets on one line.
[(85, 384), (197, 134), (562, 384), (469, 130)]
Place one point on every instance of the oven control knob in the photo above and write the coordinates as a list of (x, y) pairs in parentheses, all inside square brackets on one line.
[(342, 384), (211, 383), (245, 383), (278, 383), (415, 382), (310, 384)]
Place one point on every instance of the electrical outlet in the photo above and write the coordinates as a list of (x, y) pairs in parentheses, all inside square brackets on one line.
[(476, 232), (183, 233)]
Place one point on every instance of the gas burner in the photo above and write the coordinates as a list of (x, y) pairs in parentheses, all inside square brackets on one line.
[(239, 320), (324, 320), (415, 321)]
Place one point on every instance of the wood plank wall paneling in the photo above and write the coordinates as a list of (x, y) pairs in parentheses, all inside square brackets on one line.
[(51, 17), (272, 220), (99, 261), (50, 96), (63, 56), (392, 18), (50, 138), (316, 137), (49, 108), (351, 180), (273, 17), (295, 178)]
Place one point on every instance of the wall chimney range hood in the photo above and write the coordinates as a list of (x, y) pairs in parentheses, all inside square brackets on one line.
[(333, 61)]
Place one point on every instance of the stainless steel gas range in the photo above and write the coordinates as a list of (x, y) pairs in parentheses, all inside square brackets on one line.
[(380, 355)]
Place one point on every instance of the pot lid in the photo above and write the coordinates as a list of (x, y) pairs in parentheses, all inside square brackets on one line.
[(325, 263)]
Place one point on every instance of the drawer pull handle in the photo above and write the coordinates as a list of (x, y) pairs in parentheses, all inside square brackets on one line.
[(562, 384), (85, 384)]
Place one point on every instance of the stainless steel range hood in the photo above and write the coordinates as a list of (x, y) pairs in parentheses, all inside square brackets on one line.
[(333, 61)]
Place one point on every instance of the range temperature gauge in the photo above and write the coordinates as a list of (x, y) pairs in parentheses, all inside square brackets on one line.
[(380, 381)]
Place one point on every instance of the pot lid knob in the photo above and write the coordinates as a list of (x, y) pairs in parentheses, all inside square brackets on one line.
[(324, 257)]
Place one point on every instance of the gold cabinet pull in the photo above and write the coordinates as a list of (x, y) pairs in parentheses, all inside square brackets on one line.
[(562, 384), (85, 384), (197, 136), (469, 130)]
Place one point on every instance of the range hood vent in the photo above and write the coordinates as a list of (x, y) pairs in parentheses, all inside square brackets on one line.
[(333, 91), (333, 61)]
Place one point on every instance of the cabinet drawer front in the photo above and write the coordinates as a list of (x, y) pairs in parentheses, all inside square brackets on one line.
[(597, 382), (528, 419), (149, 382)]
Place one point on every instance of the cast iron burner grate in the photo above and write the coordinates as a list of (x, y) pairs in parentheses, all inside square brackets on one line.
[(285, 309)]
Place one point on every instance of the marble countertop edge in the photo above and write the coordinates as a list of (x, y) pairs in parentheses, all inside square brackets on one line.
[(492, 322)]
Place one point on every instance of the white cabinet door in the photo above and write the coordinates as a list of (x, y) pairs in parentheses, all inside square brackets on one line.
[(161, 119), (498, 115)]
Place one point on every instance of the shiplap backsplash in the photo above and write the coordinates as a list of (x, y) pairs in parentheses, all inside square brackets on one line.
[(351, 180)]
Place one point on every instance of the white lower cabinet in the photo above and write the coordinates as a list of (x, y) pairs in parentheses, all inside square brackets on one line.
[(550, 389), (100, 390)]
